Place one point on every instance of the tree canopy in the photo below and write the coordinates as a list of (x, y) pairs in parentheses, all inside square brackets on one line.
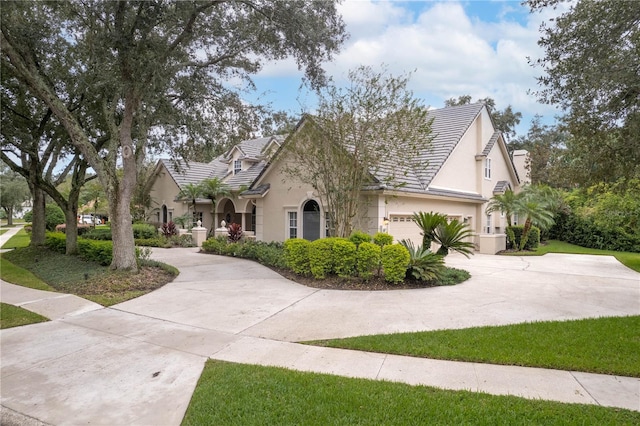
[(591, 69), (505, 120), (368, 132), (143, 66)]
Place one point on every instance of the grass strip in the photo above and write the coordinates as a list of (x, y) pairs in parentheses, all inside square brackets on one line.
[(601, 345), (235, 394), (2, 231), (17, 275), (14, 316), (21, 239), (630, 260)]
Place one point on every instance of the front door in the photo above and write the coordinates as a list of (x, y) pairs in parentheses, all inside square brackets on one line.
[(311, 221)]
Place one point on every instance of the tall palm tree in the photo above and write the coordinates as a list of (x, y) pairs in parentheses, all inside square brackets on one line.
[(428, 222), (212, 189), (191, 191), (506, 203), (536, 213)]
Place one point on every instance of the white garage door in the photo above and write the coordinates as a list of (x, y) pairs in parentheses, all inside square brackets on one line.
[(404, 228)]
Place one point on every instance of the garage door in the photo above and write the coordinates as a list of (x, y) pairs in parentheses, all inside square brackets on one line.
[(404, 228)]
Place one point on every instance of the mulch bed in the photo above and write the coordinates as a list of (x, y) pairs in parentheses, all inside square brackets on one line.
[(336, 283)]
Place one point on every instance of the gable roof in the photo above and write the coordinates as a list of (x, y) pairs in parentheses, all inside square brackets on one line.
[(447, 128), (184, 173)]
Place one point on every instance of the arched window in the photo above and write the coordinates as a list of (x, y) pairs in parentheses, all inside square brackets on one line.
[(311, 220)]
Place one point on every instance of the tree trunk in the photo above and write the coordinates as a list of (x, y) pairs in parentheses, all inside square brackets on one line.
[(71, 228), (38, 220), (120, 194), (9, 212)]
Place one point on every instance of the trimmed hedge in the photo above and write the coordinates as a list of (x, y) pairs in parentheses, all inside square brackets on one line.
[(321, 257), (359, 237), (382, 239), (344, 258), (270, 254), (296, 255), (368, 259), (534, 237), (395, 260), (577, 230), (95, 251)]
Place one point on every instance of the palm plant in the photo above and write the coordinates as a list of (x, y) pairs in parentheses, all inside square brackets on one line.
[(536, 213), (191, 191), (428, 222), (452, 236), (214, 188), (506, 203), (423, 264)]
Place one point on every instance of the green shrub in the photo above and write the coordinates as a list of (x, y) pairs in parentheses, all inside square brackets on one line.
[(54, 216), (382, 239), (184, 240), (95, 251), (101, 234), (584, 232), (321, 258), (453, 276), (534, 237), (344, 257), (359, 237), (367, 259), (56, 241), (423, 264), (296, 255), (144, 230), (395, 260), (28, 216), (215, 245)]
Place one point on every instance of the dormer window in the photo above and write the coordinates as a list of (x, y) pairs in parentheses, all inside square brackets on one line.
[(237, 166)]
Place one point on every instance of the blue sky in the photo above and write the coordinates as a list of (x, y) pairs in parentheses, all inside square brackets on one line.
[(454, 48)]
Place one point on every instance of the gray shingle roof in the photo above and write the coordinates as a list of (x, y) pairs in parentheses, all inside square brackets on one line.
[(185, 173), (490, 144), (501, 187), (448, 126), (246, 177), (194, 172), (253, 148)]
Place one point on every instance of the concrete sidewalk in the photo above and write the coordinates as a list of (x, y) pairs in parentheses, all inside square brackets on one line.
[(138, 362)]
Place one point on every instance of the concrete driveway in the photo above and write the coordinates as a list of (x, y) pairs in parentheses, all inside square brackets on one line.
[(138, 362)]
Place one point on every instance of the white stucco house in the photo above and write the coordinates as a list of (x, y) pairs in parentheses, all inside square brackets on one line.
[(467, 164)]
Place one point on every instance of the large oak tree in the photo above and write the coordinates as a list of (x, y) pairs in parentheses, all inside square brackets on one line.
[(591, 68), (147, 64)]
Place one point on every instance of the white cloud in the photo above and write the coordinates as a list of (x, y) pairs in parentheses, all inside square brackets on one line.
[(451, 53)]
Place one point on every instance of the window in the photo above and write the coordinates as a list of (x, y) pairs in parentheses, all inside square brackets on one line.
[(237, 166), (253, 219), (487, 168), (293, 224), (488, 225)]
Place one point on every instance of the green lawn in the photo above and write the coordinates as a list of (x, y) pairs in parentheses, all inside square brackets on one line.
[(235, 394), (21, 239), (14, 316), (17, 275), (602, 345), (2, 231), (630, 260), (48, 270)]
